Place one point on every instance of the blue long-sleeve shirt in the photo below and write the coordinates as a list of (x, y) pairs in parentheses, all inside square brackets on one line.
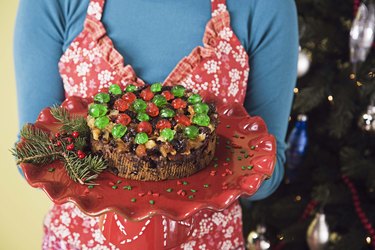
[(153, 36)]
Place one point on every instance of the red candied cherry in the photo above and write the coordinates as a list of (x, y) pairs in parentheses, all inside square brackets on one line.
[(75, 134), (147, 94), (183, 119), (144, 127), (129, 97), (162, 124), (178, 103), (152, 109), (123, 119), (121, 105), (168, 95)]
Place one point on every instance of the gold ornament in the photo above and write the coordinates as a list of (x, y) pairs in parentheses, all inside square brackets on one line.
[(256, 240)]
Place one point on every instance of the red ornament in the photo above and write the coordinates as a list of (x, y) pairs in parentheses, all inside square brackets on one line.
[(152, 109), (182, 119), (144, 127), (129, 97), (123, 119), (178, 103), (70, 147), (147, 94), (75, 134), (57, 135), (168, 95), (121, 105), (162, 124)]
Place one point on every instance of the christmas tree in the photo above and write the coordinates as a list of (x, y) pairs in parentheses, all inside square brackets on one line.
[(336, 177)]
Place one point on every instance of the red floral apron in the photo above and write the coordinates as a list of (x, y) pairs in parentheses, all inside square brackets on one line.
[(91, 63)]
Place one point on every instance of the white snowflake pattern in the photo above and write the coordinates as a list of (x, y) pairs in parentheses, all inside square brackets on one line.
[(94, 10), (189, 245), (211, 66), (105, 76), (234, 75), (227, 245), (83, 68), (220, 8), (241, 56), (224, 47), (202, 247), (226, 33), (69, 86)]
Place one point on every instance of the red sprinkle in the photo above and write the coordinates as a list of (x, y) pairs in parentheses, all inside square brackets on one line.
[(129, 97), (225, 187), (179, 182), (86, 191), (149, 192), (228, 171), (123, 119), (111, 183), (141, 194), (213, 173), (156, 194), (224, 174), (181, 192)]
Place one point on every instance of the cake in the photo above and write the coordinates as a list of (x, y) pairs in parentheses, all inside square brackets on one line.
[(154, 132)]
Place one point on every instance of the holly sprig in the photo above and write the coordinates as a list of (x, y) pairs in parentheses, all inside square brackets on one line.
[(68, 145)]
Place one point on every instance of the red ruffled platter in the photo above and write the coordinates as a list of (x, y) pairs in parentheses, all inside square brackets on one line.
[(245, 157)]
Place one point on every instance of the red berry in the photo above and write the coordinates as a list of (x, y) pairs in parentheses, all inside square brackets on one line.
[(152, 109), (75, 134), (57, 135), (144, 127), (168, 95), (69, 139), (123, 119), (129, 97), (162, 124), (70, 147), (178, 103), (147, 94), (79, 152), (58, 143), (121, 105), (182, 119), (81, 156)]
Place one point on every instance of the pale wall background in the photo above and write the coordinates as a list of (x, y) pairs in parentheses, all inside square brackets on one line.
[(22, 208)]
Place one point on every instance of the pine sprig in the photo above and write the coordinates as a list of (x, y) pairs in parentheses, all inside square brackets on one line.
[(40, 148), (69, 122)]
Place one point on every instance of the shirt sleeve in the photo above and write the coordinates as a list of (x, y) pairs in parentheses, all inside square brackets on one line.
[(38, 39), (273, 53)]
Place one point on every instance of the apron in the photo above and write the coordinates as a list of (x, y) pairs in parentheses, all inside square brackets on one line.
[(92, 63)]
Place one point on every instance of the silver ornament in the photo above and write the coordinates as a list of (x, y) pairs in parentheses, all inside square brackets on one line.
[(303, 63), (362, 33), (318, 232), (256, 240), (367, 120)]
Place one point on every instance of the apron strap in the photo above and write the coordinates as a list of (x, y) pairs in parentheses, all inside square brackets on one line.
[(95, 9), (218, 6)]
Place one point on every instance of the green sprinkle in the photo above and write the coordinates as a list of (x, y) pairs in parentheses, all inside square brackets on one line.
[(185, 182), (114, 187), (90, 186), (236, 136), (216, 165), (152, 202), (227, 159), (127, 187), (215, 159), (228, 147), (119, 181), (252, 147), (228, 126), (232, 150), (243, 167), (51, 170), (193, 190), (250, 167), (242, 151), (191, 196), (206, 185), (239, 158), (133, 200), (228, 142), (246, 156), (169, 190)]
